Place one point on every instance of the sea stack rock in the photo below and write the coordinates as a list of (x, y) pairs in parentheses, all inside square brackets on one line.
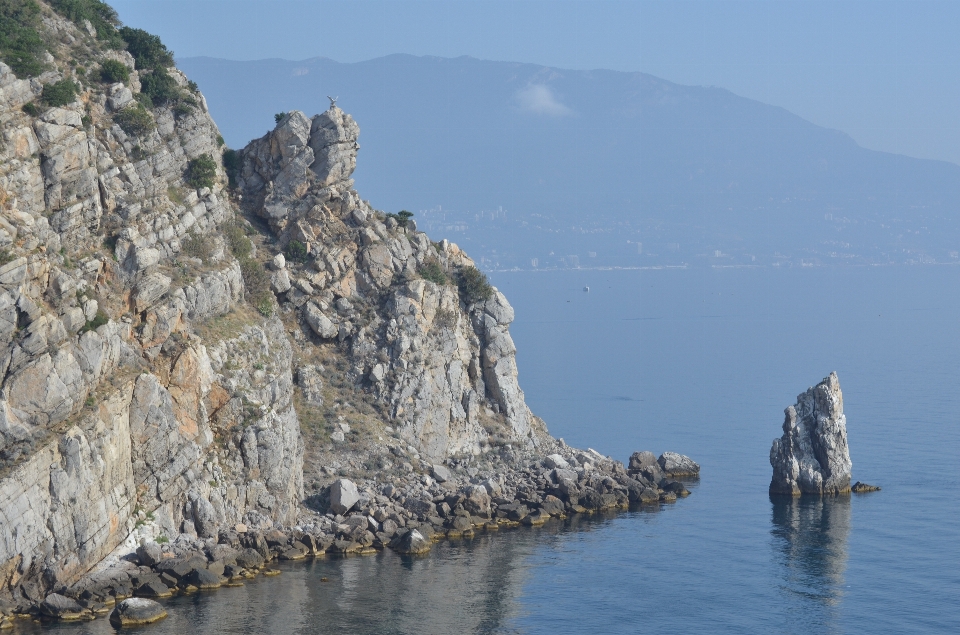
[(812, 456)]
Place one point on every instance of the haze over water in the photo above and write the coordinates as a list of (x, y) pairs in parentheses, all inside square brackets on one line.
[(701, 362)]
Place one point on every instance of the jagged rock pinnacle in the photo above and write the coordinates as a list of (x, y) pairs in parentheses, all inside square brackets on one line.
[(812, 456)]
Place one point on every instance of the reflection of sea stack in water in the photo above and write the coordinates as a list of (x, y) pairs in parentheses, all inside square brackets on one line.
[(812, 535), (812, 456)]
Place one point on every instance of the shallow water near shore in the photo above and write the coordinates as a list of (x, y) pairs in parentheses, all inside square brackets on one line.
[(701, 362)]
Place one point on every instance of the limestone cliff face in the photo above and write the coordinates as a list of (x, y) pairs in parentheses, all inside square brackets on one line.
[(812, 456), (444, 366), (116, 418), (141, 395)]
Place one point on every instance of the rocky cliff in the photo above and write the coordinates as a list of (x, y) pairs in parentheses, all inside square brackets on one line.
[(812, 456), (125, 410), (438, 358), (150, 335)]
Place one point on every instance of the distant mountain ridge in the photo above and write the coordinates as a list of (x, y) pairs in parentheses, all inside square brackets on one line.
[(594, 162)]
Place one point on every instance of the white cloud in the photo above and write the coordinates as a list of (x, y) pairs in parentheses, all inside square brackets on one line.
[(540, 100)]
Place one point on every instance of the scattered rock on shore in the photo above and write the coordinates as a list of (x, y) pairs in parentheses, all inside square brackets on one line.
[(343, 496), (412, 542)]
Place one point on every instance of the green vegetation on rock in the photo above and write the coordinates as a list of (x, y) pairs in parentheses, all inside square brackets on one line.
[(231, 165), (196, 246), (59, 93), (21, 46), (433, 272), (135, 120), (256, 280), (201, 172), (101, 15), (296, 251), (112, 71), (159, 86), (402, 217), (240, 246), (147, 49), (473, 284)]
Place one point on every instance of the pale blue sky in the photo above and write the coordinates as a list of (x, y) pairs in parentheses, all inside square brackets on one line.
[(887, 73)]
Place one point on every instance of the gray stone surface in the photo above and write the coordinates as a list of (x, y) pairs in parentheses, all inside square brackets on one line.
[(440, 472), (136, 611), (674, 464), (343, 496), (411, 543), (812, 456)]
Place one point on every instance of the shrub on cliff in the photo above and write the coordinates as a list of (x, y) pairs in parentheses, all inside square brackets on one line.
[(160, 87), (196, 246), (240, 246), (296, 251), (101, 16), (59, 93), (402, 217), (147, 49), (257, 283), (112, 71), (433, 272), (21, 46), (201, 172), (231, 165), (473, 285), (134, 120)]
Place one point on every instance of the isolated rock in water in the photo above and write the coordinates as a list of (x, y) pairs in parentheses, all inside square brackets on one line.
[(860, 488), (343, 496), (135, 611), (674, 464), (812, 456)]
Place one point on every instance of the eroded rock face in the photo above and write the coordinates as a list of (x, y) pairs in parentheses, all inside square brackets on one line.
[(108, 395), (812, 456), (444, 368)]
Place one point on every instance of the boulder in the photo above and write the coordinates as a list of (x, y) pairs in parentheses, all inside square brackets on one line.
[(249, 559), (441, 473), (674, 464), (320, 323), (555, 461), (411, 542), (153, 589), (343, 496), (136, 611), (860, 488), (641, 460), (60, 606), (812, 456), (203, 579), (477, 501), (149, 553)]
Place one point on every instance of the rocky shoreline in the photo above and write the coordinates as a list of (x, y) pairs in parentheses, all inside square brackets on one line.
[(405, 513)]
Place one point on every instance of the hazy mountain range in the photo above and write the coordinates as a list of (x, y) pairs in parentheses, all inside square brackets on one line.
[(526, 165)]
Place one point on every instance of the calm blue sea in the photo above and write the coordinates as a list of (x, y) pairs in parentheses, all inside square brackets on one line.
[(701, 362)]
